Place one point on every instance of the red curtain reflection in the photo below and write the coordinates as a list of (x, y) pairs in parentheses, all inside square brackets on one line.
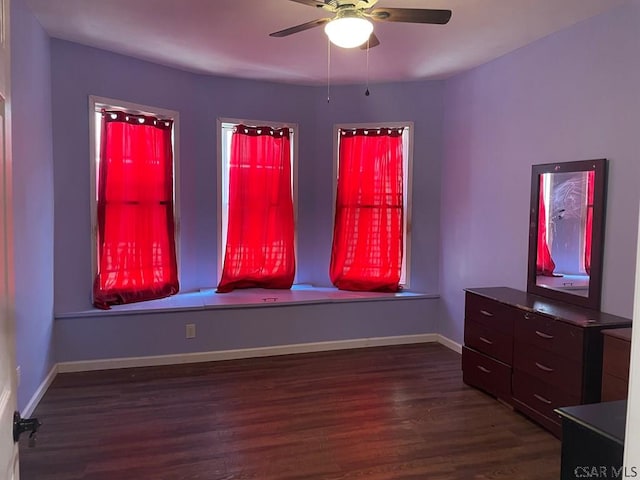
[(545, 264), (136, 243), (368, 229), (588, 234), (260, 232)]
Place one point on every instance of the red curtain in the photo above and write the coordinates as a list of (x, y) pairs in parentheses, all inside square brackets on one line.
[(589, 225), (260, 232), (136, 243), (368, 229), (545, 264)]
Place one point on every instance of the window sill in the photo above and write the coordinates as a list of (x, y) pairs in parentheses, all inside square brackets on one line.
[(207, 299)]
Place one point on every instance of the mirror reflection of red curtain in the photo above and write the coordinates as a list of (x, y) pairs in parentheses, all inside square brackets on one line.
[(368, 229), (260, 232), (544, 264), (136, 243), (589, 224)]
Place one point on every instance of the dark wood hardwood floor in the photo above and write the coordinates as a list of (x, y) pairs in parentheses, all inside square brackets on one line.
[(399, 412)]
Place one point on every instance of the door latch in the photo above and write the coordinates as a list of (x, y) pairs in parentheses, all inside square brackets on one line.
[(22, 425)]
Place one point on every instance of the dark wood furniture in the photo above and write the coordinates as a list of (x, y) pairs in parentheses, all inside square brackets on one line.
[(534, 353), (615, 364), (593, 440)]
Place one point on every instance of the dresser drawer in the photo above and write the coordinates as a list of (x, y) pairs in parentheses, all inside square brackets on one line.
[(548, 367), (550, 335), (489, 341), (615, 364), (486, 373), (489, 313), (613, 388), (616, 357), (541, 396)]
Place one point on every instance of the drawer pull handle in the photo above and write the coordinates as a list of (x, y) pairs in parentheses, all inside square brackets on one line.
[(544, 335), (528, 316), (486, 313), (486, 340), (544, 368), (482, 369), (542, 399)]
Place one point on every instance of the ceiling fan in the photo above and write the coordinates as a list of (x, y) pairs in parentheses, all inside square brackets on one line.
[(350, 26)]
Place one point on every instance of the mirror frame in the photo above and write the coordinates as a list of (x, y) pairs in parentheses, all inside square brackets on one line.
[(599, 166)]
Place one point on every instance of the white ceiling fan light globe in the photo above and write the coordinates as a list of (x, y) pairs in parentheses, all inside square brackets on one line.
[(348, 32)]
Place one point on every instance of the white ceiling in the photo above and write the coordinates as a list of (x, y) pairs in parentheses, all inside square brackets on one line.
[(231, 37)]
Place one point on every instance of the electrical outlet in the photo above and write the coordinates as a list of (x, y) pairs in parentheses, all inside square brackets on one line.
[(190, 330), (18, 374)]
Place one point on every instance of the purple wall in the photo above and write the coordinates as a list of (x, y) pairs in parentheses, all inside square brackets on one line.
[(419, 102), (79, 71), (570, 96), (122, 336), (32, 198)]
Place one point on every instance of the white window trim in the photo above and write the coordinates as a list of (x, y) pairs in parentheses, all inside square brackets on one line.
[(293, 127), (408, 181), (96, 103)]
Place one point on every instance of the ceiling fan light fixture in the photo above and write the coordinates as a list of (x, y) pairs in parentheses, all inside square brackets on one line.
[(348, 31)]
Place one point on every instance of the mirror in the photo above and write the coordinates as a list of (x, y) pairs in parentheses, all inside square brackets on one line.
[(566, 231)]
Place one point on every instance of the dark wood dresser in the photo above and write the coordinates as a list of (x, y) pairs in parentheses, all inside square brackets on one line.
[(534, 353), (616, 358), (593, 441)]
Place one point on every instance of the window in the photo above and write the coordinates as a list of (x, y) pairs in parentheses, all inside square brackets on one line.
[(133, 202), (256, 234), (373, 216)]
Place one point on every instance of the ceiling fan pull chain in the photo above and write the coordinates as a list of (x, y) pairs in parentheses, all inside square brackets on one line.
[(366, 92), (328, 70)]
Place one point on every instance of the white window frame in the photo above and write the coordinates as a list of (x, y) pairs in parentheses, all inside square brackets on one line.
[(407, 163), (223, 126), (96, 104)]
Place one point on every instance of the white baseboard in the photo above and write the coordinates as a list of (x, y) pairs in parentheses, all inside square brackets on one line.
[(113, 363), (447, 342), (28, 410), (107, 364)]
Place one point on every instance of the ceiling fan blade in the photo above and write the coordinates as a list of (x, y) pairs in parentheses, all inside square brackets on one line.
[(300, 28), (366, 4), (411, 15), (373, 42), (317, 3)]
